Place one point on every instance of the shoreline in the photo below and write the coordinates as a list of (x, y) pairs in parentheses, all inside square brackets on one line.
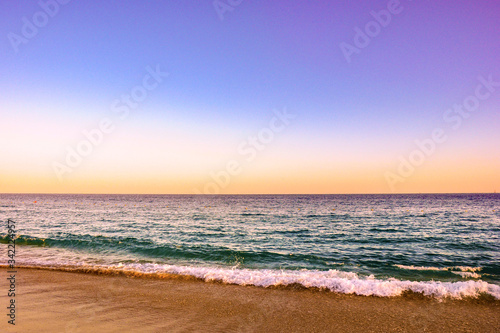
[(338, 283), (50, 300)]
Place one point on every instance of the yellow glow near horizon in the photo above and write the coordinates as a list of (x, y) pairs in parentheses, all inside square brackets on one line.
[(140, 159), (424, 180)]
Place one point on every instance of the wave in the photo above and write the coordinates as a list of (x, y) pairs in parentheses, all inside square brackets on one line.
[(464, 271), (331, 280), (468, 274), (452, 268), (146, 248)]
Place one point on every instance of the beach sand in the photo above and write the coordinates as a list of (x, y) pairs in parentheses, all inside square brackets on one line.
[(54, 301)]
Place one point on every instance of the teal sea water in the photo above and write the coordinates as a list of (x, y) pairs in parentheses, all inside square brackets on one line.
[(441, 245)]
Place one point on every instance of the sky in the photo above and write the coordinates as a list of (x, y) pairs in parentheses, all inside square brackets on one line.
[(245, 97)]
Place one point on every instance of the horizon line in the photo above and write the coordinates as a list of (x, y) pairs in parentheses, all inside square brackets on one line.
[(228, 194)]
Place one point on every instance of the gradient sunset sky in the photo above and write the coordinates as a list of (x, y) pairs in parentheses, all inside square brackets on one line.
[(232, 67)]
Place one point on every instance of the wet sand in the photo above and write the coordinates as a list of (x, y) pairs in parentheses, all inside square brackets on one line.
[(54, 301)]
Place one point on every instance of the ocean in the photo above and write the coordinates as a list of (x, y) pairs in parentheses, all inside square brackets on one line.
[(438, 245)]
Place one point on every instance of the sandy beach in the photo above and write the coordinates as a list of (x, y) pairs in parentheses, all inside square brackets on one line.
[(54, 301)]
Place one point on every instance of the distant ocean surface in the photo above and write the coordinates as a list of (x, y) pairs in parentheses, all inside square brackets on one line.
[(441, 245)]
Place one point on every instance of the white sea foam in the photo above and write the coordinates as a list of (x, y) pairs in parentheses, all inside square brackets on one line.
[(468, 274), (468, 269), (453, 269), (422, 268), (333, 280)]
